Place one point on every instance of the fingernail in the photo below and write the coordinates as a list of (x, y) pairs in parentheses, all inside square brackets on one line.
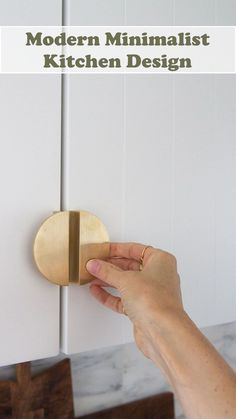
[(93, 266)]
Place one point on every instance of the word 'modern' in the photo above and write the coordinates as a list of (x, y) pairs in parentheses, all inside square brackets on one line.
[(118, 39)]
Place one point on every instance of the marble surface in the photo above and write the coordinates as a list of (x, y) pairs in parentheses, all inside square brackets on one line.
[(117, 375), (109, 377)]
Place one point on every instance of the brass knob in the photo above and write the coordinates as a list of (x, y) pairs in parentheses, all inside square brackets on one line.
[(64, 244)]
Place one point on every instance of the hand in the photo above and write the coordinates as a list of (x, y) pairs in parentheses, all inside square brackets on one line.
[(144, 295), (163, 331)]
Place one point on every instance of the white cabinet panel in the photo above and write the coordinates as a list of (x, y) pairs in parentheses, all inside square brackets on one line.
[(94, 174), (205, 12), (150, 12), (225, 197), (148, 163), (94, 183), (194, 12), (194, 195), (148, 159), (225, 12), (28, 12), (106, 117), (92, 12), (154, 157), (30, 190), (205, 195)]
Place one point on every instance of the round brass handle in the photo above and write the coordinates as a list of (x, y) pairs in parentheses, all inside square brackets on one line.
[(65, 242)]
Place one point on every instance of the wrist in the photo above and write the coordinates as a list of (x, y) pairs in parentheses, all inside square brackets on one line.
[(165, 330), (165, 321)]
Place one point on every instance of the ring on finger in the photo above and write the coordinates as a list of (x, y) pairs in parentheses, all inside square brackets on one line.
[(124, 312), (142, 257)]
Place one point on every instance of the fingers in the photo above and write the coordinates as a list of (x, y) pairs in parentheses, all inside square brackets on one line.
[(128, 250), (105, 271), (100, 283), (125, 264), (108, 300)]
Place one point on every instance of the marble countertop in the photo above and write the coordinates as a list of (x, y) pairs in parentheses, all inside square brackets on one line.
[(117, 375)]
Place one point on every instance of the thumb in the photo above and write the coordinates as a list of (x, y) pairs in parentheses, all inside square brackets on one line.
[(105, 271)]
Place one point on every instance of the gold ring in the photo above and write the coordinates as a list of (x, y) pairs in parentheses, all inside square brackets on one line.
[(124, 312), (142, 257)]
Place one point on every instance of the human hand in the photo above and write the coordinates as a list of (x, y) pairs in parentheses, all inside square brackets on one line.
[(144, 295)]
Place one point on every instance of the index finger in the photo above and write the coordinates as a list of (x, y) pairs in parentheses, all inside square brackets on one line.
[(127, 250)]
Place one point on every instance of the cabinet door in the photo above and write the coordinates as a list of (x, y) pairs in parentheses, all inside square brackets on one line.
[(98, 167), (155, 157), (30, 191), (94, 128)]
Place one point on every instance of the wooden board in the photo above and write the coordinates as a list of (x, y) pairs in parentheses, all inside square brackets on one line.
[(49, 395), (46, 396), (154, 407)]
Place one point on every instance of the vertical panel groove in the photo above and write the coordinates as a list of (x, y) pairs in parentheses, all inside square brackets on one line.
[(173, 146), (64, 169), (64, 120), (173, 156), (124, 146)]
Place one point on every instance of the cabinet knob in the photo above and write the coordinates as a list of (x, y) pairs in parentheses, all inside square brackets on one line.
[(65, 242)]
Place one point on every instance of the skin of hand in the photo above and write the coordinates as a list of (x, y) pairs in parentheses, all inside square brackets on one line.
[(143, 294), (202, 380)]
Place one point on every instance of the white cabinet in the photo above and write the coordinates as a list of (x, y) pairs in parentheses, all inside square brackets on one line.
[(30, 190), (204, 218), (154, 157), (94, 175)]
